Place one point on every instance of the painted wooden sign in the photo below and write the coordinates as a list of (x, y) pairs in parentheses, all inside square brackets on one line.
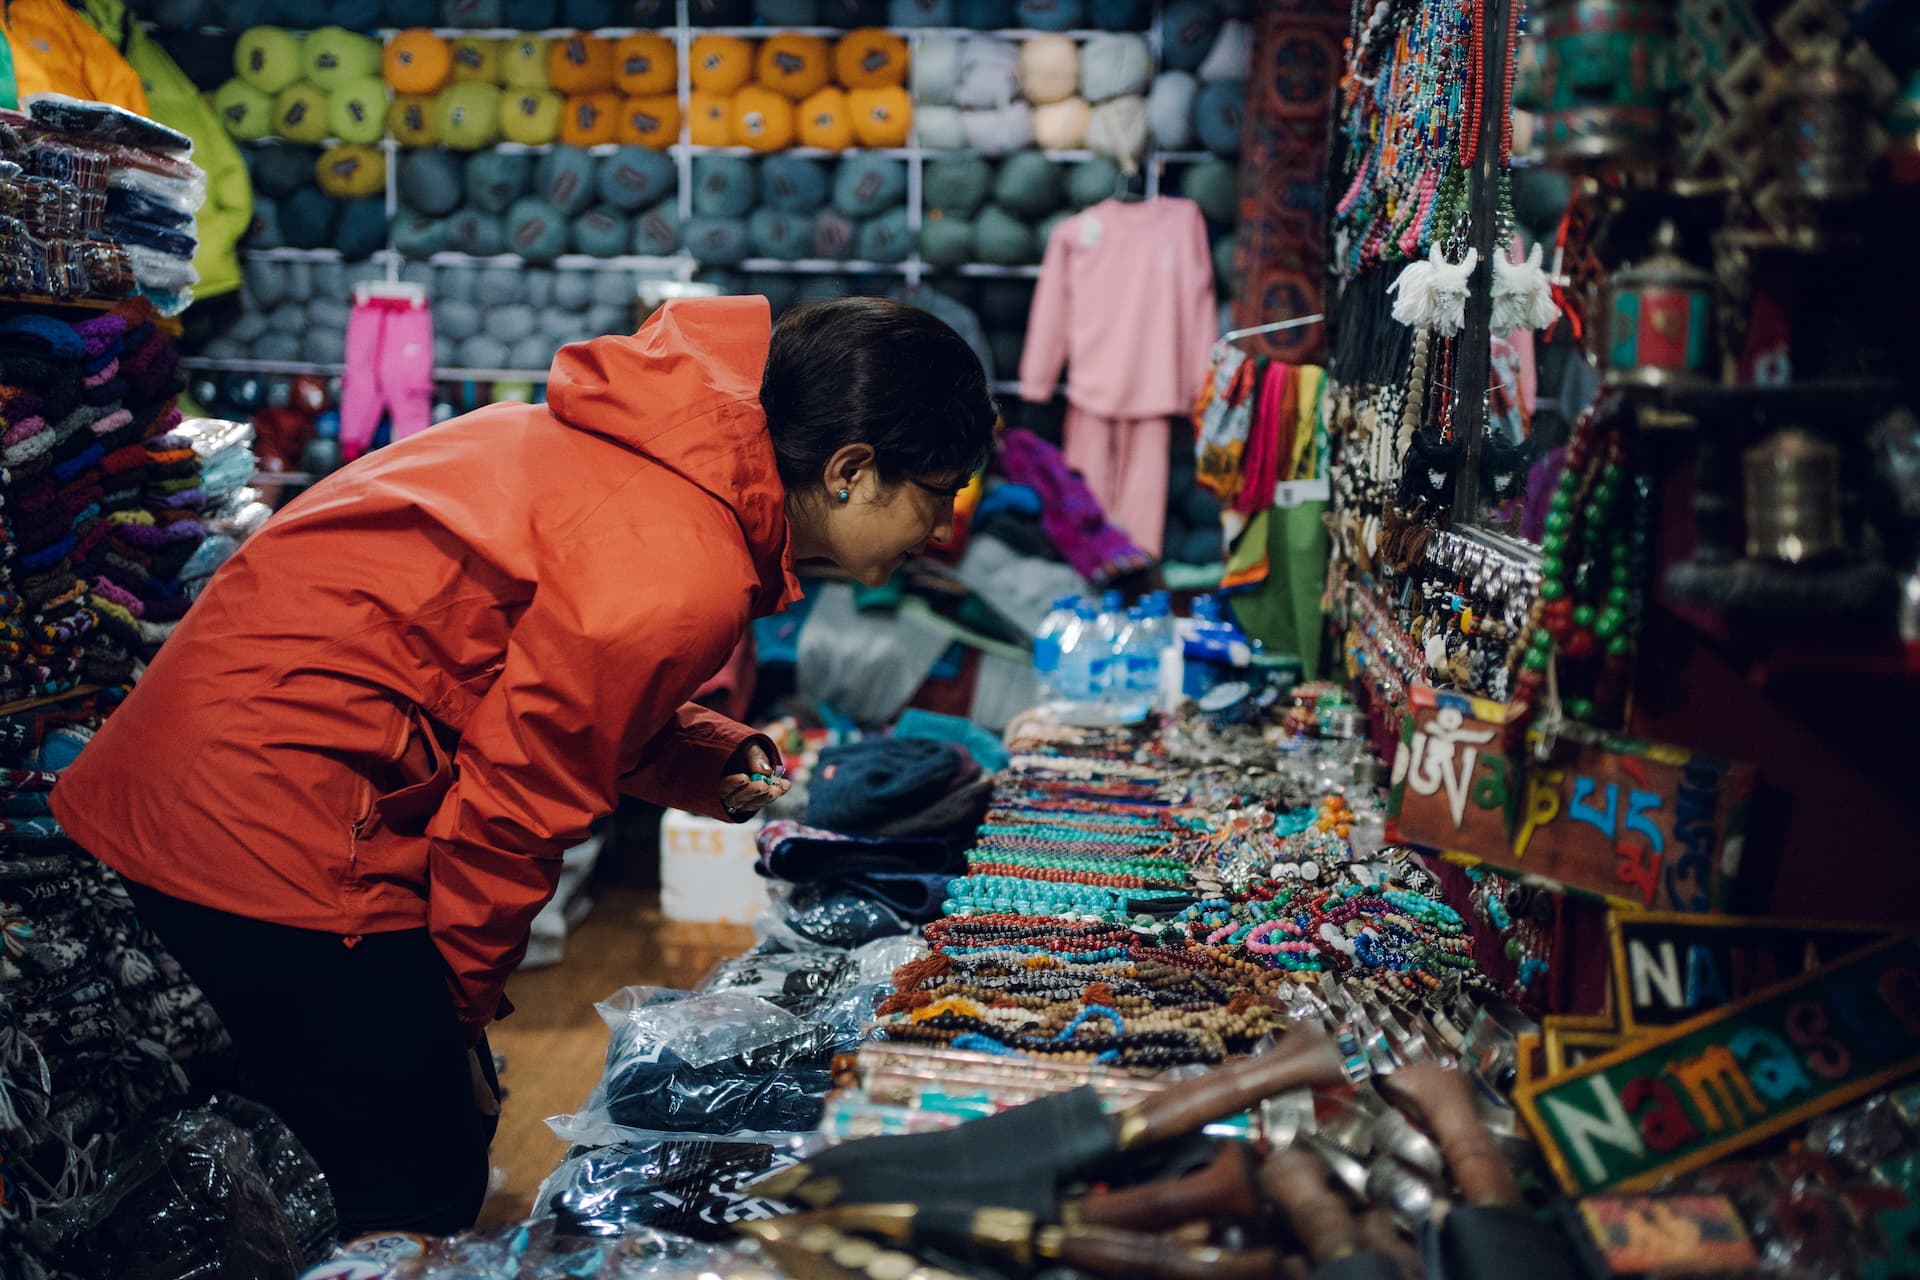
[(1671, 1235), (1688, 1095), (1644, 825), (1668, 966)]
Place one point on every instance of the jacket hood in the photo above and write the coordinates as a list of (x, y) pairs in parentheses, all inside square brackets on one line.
[(685, 392)]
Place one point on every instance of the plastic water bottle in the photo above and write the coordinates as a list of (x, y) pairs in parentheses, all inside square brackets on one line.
[(1140, 654), (1084, 657), (1046, 647)]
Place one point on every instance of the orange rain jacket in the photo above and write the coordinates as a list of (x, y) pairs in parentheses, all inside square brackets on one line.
[(411, 691)]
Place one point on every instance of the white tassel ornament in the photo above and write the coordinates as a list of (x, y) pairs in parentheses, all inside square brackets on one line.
[(1522, 295), (1433, 294)]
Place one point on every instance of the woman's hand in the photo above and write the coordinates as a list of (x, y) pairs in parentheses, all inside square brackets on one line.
[(753, 784)]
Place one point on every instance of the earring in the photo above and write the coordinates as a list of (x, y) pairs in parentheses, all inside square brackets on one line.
[(843, 495)]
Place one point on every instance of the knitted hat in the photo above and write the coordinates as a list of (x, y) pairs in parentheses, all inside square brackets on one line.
[(351, 172), (1001, 238), (711, 121), (1001, 130), (723, 186), (362, 230), (477, 233), (946, 242), (762, 118), (1117, 15), (887, 238), (881, 117), (720, 242), (957, 185), (634, 178), (357, 111), (1115, 65), (420, 235), (656, 233), (523, 62), (306, 219), (936, 70), (1219, 116), (536, 230), (602, 231), (1119, 129), (1170, 110), (920, 13), (864, 185), (825, 120), (466, 115), (989, 73), (268, 58), (644, 64), (531, 117), (864, 784), (792, 184), (1091, 181), (475, 58), (1231, 57), (430, 182), (774, 234), (833, 234), (564, 178), (871, 59), (581, 63), (1214, 186), (417, 61), (244, 111), (940, 128), (983, 15), (651, 121), (300, 112), (1049, 15), (720, 64), (1049, 68), (1062, 126), (796, 66), (591, 120), (1187, 32), (279, 169), (410, 120), (1029, 185), (336, 57), (495, 179)]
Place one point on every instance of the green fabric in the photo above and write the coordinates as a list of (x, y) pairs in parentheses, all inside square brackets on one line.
[(921, 611), (176, 102), (1190, 577), (1283, 613), (9, 87), (885, 597)]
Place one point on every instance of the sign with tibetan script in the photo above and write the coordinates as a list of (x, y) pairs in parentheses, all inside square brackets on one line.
[(1668, 967), (1688, 1095), (1645, 825)]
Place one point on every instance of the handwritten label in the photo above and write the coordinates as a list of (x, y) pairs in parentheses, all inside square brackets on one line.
[(1750, 1069), (1650, 826), (1668, 967)]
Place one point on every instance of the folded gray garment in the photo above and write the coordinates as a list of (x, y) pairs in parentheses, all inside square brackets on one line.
[(868, 665), (1019, 588), (1002, 690), (958, 810)]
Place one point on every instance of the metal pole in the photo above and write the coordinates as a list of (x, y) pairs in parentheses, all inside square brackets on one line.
[(1483, 192)]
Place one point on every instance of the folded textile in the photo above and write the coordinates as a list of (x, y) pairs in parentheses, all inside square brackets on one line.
[(1070, 513), (800, 854), (954, 816), (862, 784)]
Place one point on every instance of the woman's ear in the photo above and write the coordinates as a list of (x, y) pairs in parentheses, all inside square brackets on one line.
[(847, 468)]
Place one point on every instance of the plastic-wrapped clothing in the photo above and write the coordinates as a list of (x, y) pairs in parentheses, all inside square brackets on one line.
[(55, 51), (174, 100), (440, 666), (695, 1187)]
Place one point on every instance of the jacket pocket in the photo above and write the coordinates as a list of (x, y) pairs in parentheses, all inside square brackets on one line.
[(406, 807)]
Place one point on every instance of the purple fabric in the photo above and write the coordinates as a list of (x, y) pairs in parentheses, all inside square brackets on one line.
[(1069, 512), (1541, 479)]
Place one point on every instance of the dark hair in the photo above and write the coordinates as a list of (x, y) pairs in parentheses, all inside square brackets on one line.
[(867, 370)]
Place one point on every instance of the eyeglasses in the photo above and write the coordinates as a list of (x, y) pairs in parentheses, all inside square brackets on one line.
[(940, 490)]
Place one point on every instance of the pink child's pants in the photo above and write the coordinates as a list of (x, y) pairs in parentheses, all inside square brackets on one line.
[(389, 370)]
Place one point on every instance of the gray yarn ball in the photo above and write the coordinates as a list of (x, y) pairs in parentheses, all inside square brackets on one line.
[(225, 348), (602, 232), (419, 235), (267, 282), (455, 284), (299, 281), (282, 348), (535, 351), (536, 230), (495, 179), (477, 233), (420, 273), (509, 323), (496, 286), (717, 241), (607, 318), (247, 327), (431, 182), (775, 234), (656, 233), (723, 186), (288, 317), (483, 352), (536, 287), (325, 313), (564, 178), (614, 288), (572, 290), (456, 321), (327, 346), (886, 238)]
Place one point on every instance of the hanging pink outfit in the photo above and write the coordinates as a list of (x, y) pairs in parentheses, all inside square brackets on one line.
[(389, 370), (1125, 306)]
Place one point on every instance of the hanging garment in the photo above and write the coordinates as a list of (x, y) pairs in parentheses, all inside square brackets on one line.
[(389, 371), (465, 678), (1222, 418), (55, 51), (1070, 514), (177, 102), (1124, 462)]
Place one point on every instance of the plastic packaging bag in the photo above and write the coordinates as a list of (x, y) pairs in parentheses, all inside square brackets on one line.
[(104, 122), (223, 1192), (539, 1250), (693, 1186), (826, 913)]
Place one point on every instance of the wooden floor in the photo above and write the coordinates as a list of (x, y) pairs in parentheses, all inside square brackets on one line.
[(555, 1044)]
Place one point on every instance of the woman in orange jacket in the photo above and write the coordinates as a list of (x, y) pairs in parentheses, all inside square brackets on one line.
[(341, 792)]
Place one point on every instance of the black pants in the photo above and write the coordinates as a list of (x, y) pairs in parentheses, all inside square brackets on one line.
[(358, 1050)]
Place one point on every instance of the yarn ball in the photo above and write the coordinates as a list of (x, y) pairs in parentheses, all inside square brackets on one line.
[(495, 179), (362, 230), (774, 234), (794, 66), (300, 113), (871, 58), (580, 63), (410, 120), (887, 238), (723, 186), (1062, 126), (481, 234), (475, 58), (418, 62), (419, 235), (957, 185), (635, 178), (710, 120), (1220, 115), (864, 185), (1114, 65), (536, 230), (644, 64), (936, 70), (1000, 131), (762, 119), (466, 115), (1029, 185), (1188, 29), (1170, 110), (1049, 15), (564, 178), (430, 182), (279, 168), (602, 231), (523, 62), (720, 64), (793, 184), (719, 242), (351, 172), (882, 118), (825, 120), (1091, 181), (947, 241), (244, 111), (357, 111), (591, 120), (1001, 238), (1214, 185), (336, 57), (941, 128), (307, 219), (268, 58), (656, 233), (1049, 68)]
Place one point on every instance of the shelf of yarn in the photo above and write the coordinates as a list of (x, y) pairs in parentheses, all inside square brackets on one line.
[(675, 262)]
